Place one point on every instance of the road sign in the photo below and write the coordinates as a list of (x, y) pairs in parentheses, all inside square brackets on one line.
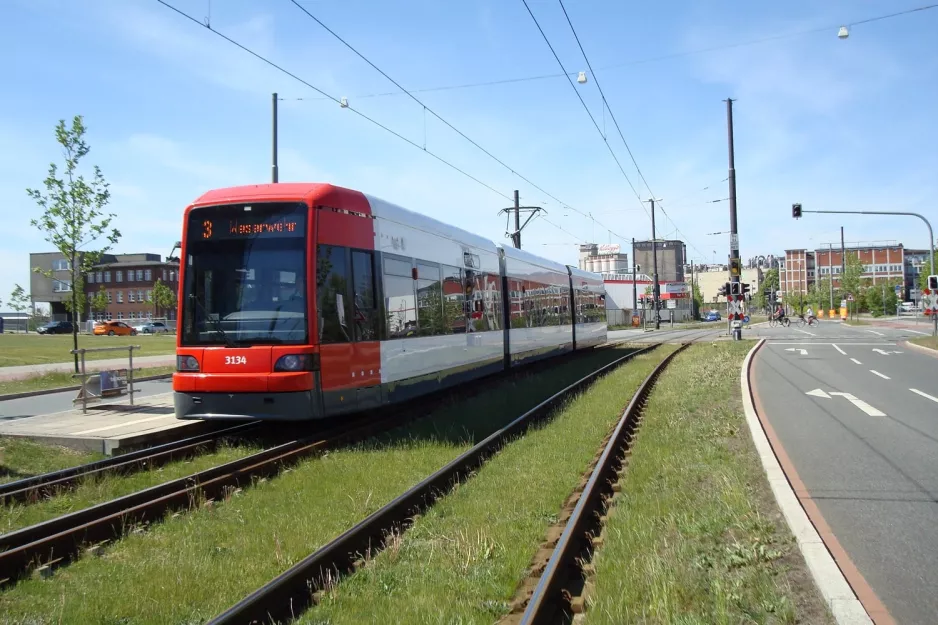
[(849, 297), (746, 319), (734, 241)]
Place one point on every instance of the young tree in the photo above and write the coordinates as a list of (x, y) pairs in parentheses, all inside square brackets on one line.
[(99, 301), (163, 297), (851, 281), (73, 218), (19, 301)]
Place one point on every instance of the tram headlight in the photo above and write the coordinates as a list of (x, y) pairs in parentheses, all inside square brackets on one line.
[(187, 363), (294, 362)]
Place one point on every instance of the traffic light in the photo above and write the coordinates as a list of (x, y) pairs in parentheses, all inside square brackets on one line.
[(796, 211), (933, 283), (734, 288), (746, 286), (724, 290)]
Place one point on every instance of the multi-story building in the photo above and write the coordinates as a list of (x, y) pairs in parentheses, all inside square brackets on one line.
[(671, 255), (882, 262), (127, 281), (603, 258)]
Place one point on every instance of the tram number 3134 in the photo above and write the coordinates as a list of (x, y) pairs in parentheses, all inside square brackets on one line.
[(236, 360)]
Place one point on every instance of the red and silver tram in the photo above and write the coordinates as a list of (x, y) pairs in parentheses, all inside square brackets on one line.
[(302, 301)]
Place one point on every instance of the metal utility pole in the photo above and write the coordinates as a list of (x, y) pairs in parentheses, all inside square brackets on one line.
[(634, 287), (830, 270), (275, 172), (656, 291), (518, 209), (734, 236), (843, 256)]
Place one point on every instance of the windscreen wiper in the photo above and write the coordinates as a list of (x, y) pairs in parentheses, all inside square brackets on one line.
[(228, 340)]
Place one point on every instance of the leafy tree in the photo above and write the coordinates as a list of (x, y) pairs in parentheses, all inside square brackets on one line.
[(99, 301), (851, 281), (19, 301), (74, 220), (163, 297), (697, 297), (927, 270), (769, 286)]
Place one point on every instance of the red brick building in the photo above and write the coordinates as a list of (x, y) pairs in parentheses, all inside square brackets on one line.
[(886, 263), (128, 281)]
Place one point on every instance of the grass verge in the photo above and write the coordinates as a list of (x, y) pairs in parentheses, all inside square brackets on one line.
[(95, 491), (695, 536), (34, 349), (462, 561), (21, 458), (192, 566), (926, 341), (61, 379)]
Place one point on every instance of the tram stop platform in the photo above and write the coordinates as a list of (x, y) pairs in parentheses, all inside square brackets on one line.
[(110, 428)]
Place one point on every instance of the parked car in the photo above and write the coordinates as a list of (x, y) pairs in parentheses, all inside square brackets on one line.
[(713, 315), (55, 327), (112, 328), (151, 327)]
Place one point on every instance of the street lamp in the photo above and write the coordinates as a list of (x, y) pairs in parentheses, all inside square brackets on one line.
[(843, 33), (581, 78)]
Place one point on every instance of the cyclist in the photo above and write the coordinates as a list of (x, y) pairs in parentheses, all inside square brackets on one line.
[(779, 313), (810, 314)]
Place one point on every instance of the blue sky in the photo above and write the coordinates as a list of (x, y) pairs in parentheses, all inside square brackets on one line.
[(174, 110)]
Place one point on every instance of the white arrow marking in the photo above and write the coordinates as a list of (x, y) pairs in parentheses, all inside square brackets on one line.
[(862, 405), (876, 333), (926, 395), (885, 352), (804, 352), (818, 393)]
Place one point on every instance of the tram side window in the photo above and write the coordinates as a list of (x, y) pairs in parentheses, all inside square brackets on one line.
[(453, 298), (430, 317), (486, 307), (332, 286), (399, 300), (364, 303)]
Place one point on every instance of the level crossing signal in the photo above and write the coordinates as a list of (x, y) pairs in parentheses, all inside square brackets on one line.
[(930, 295)]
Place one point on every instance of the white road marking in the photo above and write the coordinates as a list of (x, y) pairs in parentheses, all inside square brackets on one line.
[(838, 349), (880, 344), (916, 331), (876, 333), (885, 352), (856, 361), (875, 372), (804, 332), (862, 405), (926, 395), (804, 352), (818, 393)]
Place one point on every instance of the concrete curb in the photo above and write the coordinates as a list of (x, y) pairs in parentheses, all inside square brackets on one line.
[(920, 348), (830, 580), (65, 389)]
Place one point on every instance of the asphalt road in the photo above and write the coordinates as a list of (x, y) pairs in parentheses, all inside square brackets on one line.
[(858, 416), (58, 402)]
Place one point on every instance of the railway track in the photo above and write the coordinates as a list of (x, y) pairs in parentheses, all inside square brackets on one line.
[(57, 541), (560, 592), (34, 488), (294, 590)]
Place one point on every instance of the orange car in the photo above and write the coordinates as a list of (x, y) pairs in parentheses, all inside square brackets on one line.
[(112, 328)]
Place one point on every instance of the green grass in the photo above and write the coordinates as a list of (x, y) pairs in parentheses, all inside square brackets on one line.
[(195, 565), (94, 491), (855, 322), (34, 349), (462, 560), (695, 536), (926, 341), (59, 379), (21, 458)]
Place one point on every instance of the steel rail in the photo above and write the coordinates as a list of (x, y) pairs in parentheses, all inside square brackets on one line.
[(34, 487), (58, 540), (293, 591), (549, 602)]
